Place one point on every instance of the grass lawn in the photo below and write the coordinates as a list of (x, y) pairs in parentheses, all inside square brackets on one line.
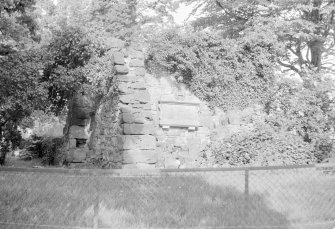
[(299, 198)]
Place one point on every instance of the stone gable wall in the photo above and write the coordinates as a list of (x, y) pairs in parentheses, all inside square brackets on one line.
[(137, 142)]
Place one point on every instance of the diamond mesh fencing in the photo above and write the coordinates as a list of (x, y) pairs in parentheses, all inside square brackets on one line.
[(272, 197)]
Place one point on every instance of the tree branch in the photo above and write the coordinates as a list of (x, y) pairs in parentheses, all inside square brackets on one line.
[(307, 58), (218, 2), (289, 66), (194, 11)]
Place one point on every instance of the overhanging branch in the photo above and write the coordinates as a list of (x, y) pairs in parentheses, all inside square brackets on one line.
[(288, 66)]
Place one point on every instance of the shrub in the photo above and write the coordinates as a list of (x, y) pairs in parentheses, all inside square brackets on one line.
[(261, 146), (49, 149)]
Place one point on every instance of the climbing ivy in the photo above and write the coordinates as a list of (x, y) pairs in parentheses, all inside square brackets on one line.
[(224, 72)]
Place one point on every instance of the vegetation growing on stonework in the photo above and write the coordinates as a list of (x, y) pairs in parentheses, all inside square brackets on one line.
[(225, 72), (232, 59), (43, 74), (229, 55)]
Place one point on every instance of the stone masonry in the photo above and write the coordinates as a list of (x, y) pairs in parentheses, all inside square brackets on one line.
[(117, 129), (138, 143), (150, 122)]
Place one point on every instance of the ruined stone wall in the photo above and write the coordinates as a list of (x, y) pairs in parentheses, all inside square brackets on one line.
[(181, 140), (116, 130), (179, 143), (94, 124), (138, 142), (151, 122)]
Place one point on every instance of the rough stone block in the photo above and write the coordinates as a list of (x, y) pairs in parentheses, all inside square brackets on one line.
[(142, 96), (136, 46), (81, 112), (117, 158), (121, 69), (140, 71), (136, 63), (146, 106), (116, 43), (125, 52), (138, 129), (139, 156), (129, 98), (125, 109), (79, 122), (78, 132), (128, 78), (145, 113), (138, 85), (131, 118), (138, 96), (135, 54), (134, 142), (72, 143), (79, 155), (123, 88), (140, 118), (118, 58)]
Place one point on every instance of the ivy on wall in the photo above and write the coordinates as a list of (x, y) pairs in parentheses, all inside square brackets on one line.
[(224, 72)]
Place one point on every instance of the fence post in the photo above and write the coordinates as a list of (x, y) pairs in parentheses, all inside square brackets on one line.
[(96, 207), (246, 198), (246, 183)]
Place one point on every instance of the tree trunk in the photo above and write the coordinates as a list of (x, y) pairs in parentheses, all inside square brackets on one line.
[(316, 53), (132, 10), (316, 44), (4, 149)]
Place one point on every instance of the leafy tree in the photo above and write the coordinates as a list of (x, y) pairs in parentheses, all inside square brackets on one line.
[(100, 19), (17, 25), (21, 92), (308, 112), (304, 27)]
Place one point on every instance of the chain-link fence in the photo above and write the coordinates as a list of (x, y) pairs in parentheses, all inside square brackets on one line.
[(272, 197)]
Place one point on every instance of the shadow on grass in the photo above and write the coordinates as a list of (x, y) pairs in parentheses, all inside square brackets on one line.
[(183, 201), (45, 200)]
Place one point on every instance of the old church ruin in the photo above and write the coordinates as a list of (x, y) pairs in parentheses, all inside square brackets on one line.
[(152, 122)]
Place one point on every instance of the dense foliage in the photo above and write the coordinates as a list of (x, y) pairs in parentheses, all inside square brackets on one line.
[(49, 150), (21, 92), (261, 146), (43, 76), (77, 63), (307, 111), (17, 25), (304, 27), (225, 72)]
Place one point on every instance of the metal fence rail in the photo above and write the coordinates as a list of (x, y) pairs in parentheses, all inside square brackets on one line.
[(253, 197)]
